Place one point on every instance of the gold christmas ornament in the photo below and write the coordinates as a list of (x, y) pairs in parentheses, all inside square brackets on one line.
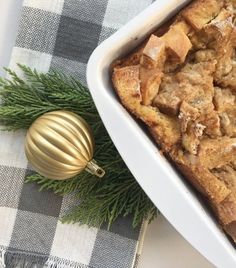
[(60, 145)]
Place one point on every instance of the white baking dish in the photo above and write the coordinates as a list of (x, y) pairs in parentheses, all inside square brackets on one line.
[(166, 188)]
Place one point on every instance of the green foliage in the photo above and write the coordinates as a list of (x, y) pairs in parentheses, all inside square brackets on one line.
[(100, 200)]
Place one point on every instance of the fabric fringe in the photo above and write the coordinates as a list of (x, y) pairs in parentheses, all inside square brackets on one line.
[(54, 262), (17, 259), (2, 257)]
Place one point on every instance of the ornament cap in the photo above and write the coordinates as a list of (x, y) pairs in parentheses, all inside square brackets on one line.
[(94, 169)]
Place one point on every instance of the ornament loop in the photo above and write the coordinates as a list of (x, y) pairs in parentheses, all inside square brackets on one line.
[(94, 169)]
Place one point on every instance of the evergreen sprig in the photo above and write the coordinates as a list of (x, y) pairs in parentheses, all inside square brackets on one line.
[(99, 200)]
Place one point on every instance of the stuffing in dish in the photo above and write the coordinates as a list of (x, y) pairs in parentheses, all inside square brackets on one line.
[(182, 84)]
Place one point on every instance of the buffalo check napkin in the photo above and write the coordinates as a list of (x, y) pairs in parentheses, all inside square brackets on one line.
[(59, 34)]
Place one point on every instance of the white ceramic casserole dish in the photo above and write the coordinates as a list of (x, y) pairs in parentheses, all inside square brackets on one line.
[(162, 183)]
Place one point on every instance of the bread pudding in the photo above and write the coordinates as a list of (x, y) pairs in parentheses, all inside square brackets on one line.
[(181, 82)]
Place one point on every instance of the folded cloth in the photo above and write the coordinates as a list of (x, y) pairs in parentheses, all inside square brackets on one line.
[(58, 34)]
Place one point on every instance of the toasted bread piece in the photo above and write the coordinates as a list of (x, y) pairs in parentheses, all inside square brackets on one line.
[(229, 80), (177, 43), (230, 229), (127, 84), (225, 103), (168, 100), (231, 5), (214, 153), (193, 83), (216, 39), (212, 187), (153, 55), (200, 176), (224, 99), (200, 12), (204, 55), (211, 121), (222, 19), (166, 131), (152, 62), (187, 114), (190, 141), (194, 124), (228, 125), (227, 174), (227, 209), (226, 212), (150, 83), (224, 47), (228, 122)]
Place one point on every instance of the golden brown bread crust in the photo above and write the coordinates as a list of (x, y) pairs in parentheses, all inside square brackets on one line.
[(151, 65), (200, 12), (200, 175), (162, 126), (150, 83), (177, 43), (214, 153), (182, 85)]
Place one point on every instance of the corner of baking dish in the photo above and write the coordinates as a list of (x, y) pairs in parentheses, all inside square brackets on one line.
[(157, 177)]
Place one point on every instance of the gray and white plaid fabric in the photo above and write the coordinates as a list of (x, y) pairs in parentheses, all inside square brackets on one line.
[(59, 34)]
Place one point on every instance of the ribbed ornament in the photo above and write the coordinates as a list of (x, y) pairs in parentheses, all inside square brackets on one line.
[(60, 144)]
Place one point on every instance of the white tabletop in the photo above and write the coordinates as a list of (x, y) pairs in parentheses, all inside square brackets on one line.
[(163, 246)]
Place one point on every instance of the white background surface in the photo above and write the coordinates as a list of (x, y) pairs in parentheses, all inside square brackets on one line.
[(163, 246)]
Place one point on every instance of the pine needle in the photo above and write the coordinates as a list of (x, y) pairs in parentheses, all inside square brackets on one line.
[(100, 200)]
